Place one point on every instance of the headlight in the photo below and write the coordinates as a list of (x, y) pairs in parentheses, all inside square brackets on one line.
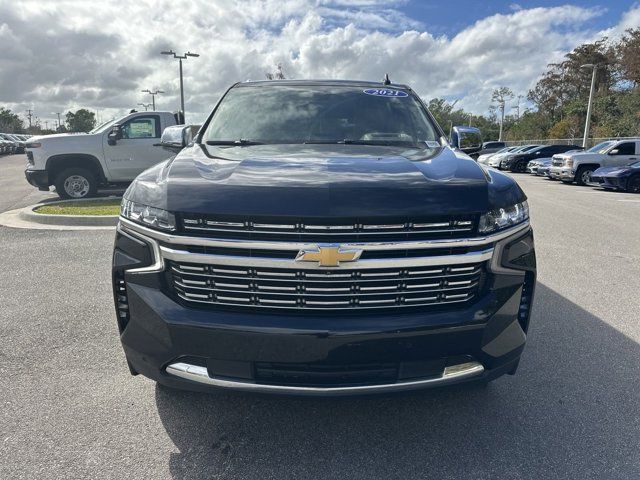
[(150, 216), (502, 218), (568, 162), (33, 145)]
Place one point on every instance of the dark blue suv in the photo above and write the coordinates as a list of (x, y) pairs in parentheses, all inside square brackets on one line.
[(323, 238)]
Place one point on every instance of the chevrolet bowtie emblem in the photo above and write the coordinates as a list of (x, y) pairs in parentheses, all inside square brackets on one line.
[(328, 255)]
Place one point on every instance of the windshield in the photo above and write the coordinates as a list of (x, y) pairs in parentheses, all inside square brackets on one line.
[(600, 147), (103, 126), (321, 114)]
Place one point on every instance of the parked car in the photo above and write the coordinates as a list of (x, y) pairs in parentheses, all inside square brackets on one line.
[(517, 162), (542, 170), (625, 178), (12, 142), (20, 143), (496, 160), (579, 166), (5, 146), (323, 251), (484, 158), (489, 147), (114, 153)]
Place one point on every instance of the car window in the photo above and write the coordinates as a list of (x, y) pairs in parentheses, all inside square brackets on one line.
[(321, 114), (141, 127), (626, 148)]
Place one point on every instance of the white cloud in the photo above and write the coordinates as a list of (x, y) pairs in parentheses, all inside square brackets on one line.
[(69, 54)]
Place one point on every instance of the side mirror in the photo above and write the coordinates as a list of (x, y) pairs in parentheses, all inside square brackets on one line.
[(467, 139), (615, 151), (176, 137), (115, 134)]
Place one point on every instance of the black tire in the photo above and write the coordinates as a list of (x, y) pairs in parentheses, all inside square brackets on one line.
[(633, 184), (582, 173), (76, 183), (519, 167)]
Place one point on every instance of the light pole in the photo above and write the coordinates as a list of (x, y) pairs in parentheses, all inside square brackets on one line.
[(153, 96), (145, 105), (593, 85), (180, 58)]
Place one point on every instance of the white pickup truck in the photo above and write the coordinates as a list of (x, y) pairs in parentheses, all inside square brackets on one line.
[(578, 166), (113, 153)]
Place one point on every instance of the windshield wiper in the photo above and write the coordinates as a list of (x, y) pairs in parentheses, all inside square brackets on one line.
[(378, 143), (242, 142)]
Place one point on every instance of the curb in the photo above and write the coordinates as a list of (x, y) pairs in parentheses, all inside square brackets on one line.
[(28, 215), (27, 218)]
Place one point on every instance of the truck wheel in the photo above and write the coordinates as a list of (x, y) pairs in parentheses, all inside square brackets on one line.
[(633, 185), (76, 183), (583, 175)]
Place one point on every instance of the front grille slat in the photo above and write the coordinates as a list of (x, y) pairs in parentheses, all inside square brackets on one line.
[(340, 290), (314, 230)]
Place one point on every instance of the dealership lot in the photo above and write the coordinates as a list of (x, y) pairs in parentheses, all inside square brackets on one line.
[(71, 410)]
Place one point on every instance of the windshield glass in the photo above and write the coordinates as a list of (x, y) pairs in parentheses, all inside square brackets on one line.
[(103, 126), (321, 114), (600, 147)]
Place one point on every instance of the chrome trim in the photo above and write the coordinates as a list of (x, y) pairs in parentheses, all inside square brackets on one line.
[(297, 246), (158, 262), (184, 256), (198, 374), (227, 301)]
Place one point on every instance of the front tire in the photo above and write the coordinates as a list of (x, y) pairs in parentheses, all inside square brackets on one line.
[(520, 167), (76, 183), (583, 175), (633, 184)]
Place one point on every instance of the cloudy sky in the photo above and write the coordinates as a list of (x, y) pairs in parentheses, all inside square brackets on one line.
[(61, 55)]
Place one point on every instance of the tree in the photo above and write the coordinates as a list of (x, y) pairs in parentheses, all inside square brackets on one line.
[(278, 75), (628, 57), (10, 122), (82, 120), (501, 96)]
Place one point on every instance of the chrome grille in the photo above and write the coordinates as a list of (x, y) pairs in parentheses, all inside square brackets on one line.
[(320, 231), (340, 289)]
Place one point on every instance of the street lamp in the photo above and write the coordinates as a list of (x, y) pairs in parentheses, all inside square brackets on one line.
[(153, 96), (180, 57), (593, 85), (145, 105)]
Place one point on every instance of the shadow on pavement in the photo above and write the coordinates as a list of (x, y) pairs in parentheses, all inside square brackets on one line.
[(572, 411)]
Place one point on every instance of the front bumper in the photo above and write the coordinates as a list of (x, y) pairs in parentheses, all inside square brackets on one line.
[(332, 353), (562, 173), (38, 178)]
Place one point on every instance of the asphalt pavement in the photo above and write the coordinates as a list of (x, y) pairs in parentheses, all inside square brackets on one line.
[(70, 409)]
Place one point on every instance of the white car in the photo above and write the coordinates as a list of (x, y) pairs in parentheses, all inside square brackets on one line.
[(484, 158), (495, 160), (111, 154), (579, 166)]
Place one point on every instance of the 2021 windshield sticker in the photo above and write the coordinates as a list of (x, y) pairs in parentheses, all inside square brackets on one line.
[(385, 92)]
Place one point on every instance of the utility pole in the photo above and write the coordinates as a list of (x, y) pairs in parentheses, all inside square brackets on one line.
[(46, 124), (593, 85), (153, 96), (180, 58), (501, 119), (29, 116), (517, 106)]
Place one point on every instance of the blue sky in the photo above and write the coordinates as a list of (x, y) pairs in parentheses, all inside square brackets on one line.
[(450, 17)]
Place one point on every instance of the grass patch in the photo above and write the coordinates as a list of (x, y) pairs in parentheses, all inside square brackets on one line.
[(92, 207)]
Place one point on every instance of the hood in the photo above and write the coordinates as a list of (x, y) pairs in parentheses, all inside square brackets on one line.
[(612, 171), (57, 136), (323, 181)]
